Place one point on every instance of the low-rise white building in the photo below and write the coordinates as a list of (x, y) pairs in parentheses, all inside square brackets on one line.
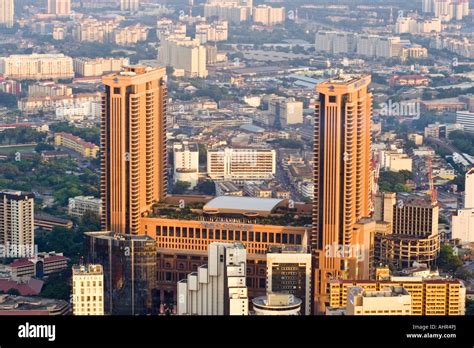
[(217, 288)]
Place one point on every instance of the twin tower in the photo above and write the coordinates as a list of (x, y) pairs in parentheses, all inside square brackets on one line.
[(134, 165)]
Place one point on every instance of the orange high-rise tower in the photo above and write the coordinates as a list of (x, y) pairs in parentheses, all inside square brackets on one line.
[(133, 146), (342, 190)]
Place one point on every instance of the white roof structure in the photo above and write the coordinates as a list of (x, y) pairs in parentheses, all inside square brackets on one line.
[(242, 205)]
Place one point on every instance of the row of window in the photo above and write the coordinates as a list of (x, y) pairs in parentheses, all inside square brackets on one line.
[(241, 236)]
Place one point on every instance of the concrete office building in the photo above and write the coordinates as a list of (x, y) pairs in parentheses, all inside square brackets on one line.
[(342, 182), (217, 288), (17, 237), (133, 146), (88, 290), (7, 12), (241, 164), (289, 271)]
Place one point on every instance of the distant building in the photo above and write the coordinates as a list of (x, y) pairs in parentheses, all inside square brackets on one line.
[(76, 144), (268, 15), (217, 288), (463, 219), (466, 119), (24, 306), (81, 204), (88, 290), (395, 160), (412, 235), (391, 300), (446, 10), (16, 224), (241, 164), (213, 32), (183, 54), (442, 131), (415, 26), (129, 5), (186, 163), (228, 188), (234, 11), (87, 67), (7, 10), (286, 111), (59, 7), (48, 222), (37, 66), (441, 296)]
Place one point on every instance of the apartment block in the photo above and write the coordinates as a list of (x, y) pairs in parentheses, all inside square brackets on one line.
[(37, 66), (269, 16), (184, 54), (17, 223), (87, 67)]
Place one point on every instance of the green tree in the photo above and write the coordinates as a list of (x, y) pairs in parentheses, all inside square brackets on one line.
[(44, 147), (447, 261), (206, 187), (181, 187), (8, 100)]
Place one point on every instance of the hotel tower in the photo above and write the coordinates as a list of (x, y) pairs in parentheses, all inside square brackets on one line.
[(342, 190), (133, 146)]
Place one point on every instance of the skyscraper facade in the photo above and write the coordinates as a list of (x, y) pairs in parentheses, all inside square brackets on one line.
[(342, 189), (133, 146), (6, 12), (129, 268)]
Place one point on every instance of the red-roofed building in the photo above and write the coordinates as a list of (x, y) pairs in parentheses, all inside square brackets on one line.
[(31, 287)]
